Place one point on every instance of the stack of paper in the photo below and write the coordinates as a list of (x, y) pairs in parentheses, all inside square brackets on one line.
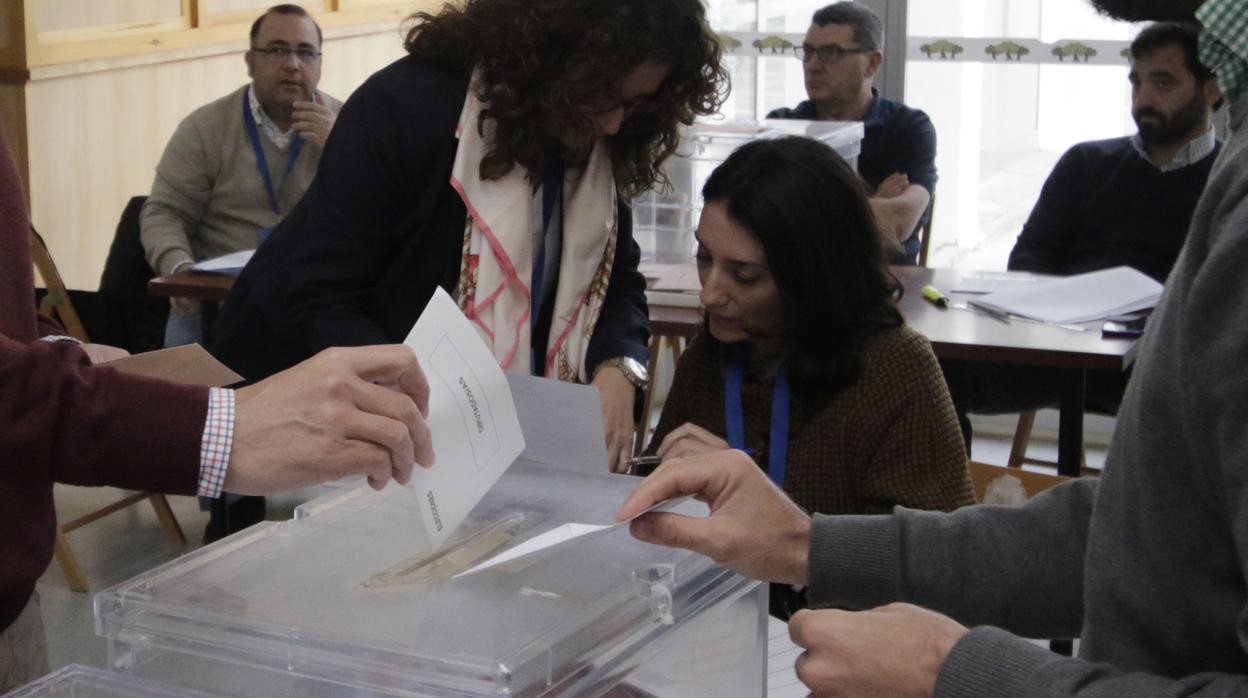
[(672, 284), (231, 264), (1080, 298)]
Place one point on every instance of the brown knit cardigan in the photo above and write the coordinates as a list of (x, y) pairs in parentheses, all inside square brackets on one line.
[(891, 438)]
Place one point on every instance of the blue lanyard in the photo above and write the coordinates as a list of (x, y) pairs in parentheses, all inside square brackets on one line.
[(263, 162), (552, 191), (734, 414)]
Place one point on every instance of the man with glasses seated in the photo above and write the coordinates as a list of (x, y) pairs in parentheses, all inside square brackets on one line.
[(232, 170), (235, 166), (842, 52)]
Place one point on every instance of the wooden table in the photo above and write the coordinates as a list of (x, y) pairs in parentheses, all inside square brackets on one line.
[(188, 284), (961, 334)]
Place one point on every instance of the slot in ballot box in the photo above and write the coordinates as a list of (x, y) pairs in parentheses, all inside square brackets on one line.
[(664, 219), (341, 601)]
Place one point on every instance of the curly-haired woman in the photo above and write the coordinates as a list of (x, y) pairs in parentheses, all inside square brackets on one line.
[(495, 160)]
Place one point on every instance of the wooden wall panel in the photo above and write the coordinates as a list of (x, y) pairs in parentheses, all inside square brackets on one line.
[(95, 138), (60, 15)]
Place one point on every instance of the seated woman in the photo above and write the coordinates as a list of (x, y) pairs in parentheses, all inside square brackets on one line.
[(805, 361), (495, 160)]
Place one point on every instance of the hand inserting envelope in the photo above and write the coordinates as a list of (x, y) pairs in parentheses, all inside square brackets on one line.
[(563, 535)]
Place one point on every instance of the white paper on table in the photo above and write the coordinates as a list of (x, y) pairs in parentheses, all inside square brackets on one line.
[(476, 433), (563, 535), (232, 263), (561, 423), (989, 282), (1079, 298), (782, 654), (673, 277)]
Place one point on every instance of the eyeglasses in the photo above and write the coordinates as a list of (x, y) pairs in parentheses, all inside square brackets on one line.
[(279, 54), (632, 107), (827, 54)]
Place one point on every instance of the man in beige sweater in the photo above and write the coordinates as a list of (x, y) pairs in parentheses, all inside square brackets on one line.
[(235, 166)]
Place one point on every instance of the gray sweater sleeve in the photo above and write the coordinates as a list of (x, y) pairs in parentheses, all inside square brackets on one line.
[(1017, 567), (991, 662)]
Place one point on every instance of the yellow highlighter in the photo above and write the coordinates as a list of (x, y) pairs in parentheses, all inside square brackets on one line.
[(934, 295)]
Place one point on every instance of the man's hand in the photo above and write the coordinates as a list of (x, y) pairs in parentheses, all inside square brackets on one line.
[(754, 528), (617, 396), (894, 650), (330, 417), (102, 353), (689, 439), (893, 185), (897, 215), (313, 121)]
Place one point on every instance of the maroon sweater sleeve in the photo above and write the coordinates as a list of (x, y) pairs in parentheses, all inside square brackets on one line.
[(63, 420)]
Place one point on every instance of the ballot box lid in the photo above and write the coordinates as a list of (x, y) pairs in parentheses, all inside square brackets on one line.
[(344, 593)]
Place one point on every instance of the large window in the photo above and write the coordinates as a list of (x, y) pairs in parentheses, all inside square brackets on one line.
[(1002, 119)]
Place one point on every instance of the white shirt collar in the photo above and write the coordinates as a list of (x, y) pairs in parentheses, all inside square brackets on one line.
[(270, 129), (1193, 152)]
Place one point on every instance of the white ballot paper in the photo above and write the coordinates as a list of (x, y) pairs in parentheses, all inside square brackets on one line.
[(476, 434), (563, 535)]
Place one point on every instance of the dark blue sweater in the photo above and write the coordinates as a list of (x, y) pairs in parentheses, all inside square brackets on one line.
[(1105, 206)]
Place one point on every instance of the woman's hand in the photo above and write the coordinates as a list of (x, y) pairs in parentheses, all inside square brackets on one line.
[(617, 396), (689, 439), (103, 353)]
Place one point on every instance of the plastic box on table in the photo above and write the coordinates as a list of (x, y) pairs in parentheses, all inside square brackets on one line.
[(341, 601), (663, 222), (77, 681)]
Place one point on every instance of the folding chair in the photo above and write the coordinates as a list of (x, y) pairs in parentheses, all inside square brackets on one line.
[(58, 304)]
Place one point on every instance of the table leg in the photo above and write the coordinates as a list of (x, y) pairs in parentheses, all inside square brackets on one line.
[(1070, 424)]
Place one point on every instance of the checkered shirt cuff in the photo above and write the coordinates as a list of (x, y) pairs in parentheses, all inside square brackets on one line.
[(214, 449)]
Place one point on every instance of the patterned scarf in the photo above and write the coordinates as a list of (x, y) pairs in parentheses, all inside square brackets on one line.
[(498, 257), (1224, 43)]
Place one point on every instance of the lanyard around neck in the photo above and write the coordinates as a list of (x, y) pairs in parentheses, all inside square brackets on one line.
[(734, 413), (262, 162), (552, 193)]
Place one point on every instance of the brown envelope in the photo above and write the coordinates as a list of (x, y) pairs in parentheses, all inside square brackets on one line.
[(189, 363)]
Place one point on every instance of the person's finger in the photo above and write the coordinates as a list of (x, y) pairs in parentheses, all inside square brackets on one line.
[(799, 628), (378, 363), (398, 406), (390, 434), (672, 438), (413, 383), (673, 478), (679, 531)]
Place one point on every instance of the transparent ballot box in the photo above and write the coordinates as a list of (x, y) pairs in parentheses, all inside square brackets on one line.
[(664, 219), (77, 681), (341, 601)]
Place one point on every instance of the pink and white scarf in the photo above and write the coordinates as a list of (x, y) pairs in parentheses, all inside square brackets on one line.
[(497, 262)]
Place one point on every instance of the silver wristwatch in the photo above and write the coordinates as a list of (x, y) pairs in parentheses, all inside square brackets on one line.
[(633, 370)]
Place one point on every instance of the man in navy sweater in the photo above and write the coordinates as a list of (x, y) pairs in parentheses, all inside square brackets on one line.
[(841, 54), (1123, 201)]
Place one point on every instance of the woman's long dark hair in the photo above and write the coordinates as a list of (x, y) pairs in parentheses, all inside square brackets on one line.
[(809, 209), (544, 62)]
